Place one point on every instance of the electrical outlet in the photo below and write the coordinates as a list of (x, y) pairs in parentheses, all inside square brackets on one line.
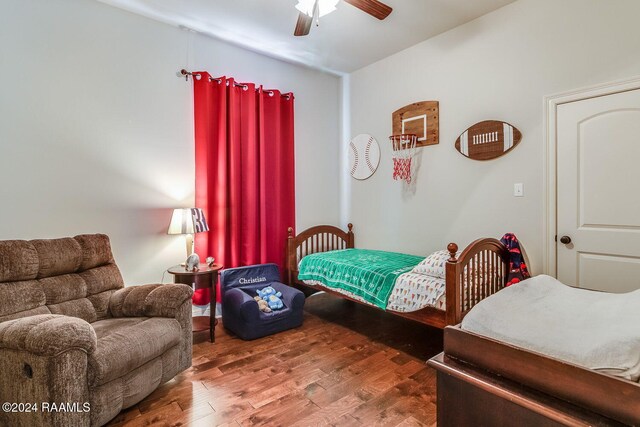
[(518, 189)]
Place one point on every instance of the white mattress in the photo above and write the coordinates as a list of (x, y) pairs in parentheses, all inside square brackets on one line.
[(596, 330), (411, 292)]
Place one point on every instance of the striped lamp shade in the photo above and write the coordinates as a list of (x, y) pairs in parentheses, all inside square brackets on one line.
[(187, 221)]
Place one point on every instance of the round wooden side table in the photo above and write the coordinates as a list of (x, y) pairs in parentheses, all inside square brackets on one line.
[(204, 278)]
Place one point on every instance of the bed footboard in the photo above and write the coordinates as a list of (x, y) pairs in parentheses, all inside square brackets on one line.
[(480, 271), (321, 238), (593, 391)]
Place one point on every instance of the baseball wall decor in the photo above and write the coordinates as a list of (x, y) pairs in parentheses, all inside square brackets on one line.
[(488, 140), (364, 156), (419, 118)]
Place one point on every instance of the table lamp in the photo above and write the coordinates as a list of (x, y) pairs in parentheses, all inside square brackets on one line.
[(188, 221)]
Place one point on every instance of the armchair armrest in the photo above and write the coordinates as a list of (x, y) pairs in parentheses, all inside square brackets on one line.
[(48, 334), (149, 300), (291, 297), (240, 304)]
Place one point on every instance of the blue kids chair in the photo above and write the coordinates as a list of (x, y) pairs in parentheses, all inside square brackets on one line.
[(240, 312)]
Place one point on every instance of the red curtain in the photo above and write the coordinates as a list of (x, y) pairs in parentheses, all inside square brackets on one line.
[(244, 172)]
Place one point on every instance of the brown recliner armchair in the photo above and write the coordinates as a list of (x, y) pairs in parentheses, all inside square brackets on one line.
[(72, 334)]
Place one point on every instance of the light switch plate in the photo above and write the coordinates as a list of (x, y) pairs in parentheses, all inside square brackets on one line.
[(518, 189)]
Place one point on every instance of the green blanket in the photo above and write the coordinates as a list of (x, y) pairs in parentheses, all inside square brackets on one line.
[(366, 273)]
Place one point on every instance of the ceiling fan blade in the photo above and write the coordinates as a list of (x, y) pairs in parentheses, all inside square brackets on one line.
[(303, 26), (372, 7)]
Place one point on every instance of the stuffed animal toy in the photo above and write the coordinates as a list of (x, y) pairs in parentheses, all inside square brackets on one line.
[(275, 303), (262, 305), (272, 297), (265, 292)]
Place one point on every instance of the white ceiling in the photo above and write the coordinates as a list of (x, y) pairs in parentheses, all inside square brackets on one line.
[(346, 40)]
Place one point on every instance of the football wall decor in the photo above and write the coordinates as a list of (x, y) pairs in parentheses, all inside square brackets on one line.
[(364, 156), (488, 140), (421, 119)]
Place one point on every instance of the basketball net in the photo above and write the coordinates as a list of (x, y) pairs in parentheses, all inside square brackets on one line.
[(404, 148)]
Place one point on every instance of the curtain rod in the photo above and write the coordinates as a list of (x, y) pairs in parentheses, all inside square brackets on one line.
[(187, 73)]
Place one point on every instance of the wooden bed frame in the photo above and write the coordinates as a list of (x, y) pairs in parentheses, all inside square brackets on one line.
[(522, 387), (464, 286)]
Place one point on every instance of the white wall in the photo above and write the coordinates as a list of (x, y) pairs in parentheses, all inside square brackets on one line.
[(96, 130), (499, 66)]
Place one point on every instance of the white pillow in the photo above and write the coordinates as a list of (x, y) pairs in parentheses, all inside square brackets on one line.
[(435, 264)]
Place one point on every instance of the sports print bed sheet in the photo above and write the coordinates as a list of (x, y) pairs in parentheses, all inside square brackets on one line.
[(368, 274), (411, 292)]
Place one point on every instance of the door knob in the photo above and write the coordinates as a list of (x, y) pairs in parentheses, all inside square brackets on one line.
[(565, 240)]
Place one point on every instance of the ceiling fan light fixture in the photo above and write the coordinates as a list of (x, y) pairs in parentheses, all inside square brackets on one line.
[(324, 7)]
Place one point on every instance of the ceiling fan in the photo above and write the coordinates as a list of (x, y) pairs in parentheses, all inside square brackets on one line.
[(311, 10)]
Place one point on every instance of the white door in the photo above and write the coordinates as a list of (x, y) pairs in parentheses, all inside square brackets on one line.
[(598, 193)]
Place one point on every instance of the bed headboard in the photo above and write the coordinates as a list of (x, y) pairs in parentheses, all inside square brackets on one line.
[(321, 238)]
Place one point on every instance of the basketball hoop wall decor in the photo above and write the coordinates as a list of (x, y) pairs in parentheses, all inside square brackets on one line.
[(488, 140), (420, 119), (404, 148), (364, 156)]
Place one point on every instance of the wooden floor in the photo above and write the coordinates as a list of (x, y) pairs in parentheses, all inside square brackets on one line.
[(348, 365)]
